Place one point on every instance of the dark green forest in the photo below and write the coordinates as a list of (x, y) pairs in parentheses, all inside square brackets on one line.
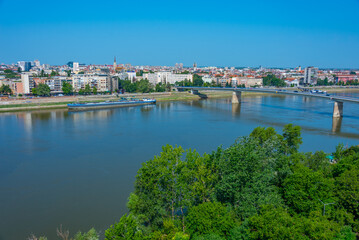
[(261, 187)]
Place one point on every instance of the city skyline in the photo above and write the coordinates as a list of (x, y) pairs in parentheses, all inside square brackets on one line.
[(240, 34)]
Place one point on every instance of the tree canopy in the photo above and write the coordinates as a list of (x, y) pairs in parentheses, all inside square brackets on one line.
[(261, 187), (41, 90), (272, 80)]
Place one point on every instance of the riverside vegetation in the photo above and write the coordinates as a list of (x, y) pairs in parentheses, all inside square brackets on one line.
[(261, 187)]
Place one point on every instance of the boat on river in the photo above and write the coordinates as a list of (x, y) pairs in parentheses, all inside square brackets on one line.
[(111, 104)]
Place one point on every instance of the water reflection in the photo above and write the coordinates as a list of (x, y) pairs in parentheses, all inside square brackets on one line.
[(236, 109), (337, 124)]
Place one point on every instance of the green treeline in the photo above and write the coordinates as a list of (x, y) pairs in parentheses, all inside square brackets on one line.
[(143, 86), (261, 187)]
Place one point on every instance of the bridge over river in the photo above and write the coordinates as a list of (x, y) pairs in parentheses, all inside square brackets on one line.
[(236, 97)]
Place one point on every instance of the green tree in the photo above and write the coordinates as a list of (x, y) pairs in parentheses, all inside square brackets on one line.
[(90, 235), (210, 218), (197, 80), (272, 80), (306, 191), (41, 90), (54, 73), (5, 89), (347, 187), (87, 89), (144, 86), (160, 88), (19, 69), (248, 175), (94, 90), (168, 87), (126, 229), (292, 137), (67, 88)]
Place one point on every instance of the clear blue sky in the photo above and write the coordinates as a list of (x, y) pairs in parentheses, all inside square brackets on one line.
[(277, 33)]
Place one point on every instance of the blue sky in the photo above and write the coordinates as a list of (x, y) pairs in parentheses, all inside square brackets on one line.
[(274, 33)]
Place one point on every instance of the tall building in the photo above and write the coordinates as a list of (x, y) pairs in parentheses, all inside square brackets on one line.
[(76, 67), (310, 76), (25, 66), (27, 83)]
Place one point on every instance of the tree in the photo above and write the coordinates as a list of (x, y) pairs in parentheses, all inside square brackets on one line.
[(160, 88), (168, 87), (9, 73), (42, 90), (272, 80), (210, 218), (5, 89), (90, 235), (143, 86), (292, 137), (94, 90), (248, 173), (306, 191), (197, 80), (67, 88), (126, 228), (347, 185), (54, 73), (87, 89), (19, 69)]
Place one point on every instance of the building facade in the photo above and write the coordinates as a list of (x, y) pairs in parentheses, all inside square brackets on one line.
[(310, 76)]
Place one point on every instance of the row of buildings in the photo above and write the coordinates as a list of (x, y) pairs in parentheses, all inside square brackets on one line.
[(102, 82), (105, 77)]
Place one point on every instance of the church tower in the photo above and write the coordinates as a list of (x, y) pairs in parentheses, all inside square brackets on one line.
[(114, 64)]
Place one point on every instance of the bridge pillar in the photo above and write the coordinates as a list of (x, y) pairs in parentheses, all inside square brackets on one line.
[(338, 109), (236, 97), (194, 92)]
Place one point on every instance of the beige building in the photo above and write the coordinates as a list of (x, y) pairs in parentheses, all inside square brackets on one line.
[(102, 82)]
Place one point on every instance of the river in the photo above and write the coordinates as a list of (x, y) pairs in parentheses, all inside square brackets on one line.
[(78, 168)]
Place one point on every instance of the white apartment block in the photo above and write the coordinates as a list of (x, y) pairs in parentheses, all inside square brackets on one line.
[(166, 77), (55, 83), (101, 81)]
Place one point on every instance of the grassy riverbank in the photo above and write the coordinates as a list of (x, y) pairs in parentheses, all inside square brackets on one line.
[(61, 102)]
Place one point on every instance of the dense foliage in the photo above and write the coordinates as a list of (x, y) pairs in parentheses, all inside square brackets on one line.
[(67, 88), (261, 187), (5, 89), (41, 89), (143, 86), (272, 80)]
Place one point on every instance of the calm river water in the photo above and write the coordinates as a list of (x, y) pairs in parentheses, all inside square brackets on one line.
[(78, 168)]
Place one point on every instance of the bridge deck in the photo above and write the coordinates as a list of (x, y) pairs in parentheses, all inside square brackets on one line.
[(277, 91)]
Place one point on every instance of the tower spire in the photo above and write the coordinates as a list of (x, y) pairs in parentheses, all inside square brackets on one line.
[(114, 64)]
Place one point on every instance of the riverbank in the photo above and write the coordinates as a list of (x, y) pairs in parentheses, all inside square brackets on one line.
[(29, 104)]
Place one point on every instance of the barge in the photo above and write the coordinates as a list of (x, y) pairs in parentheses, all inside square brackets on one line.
[(111, 104)]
